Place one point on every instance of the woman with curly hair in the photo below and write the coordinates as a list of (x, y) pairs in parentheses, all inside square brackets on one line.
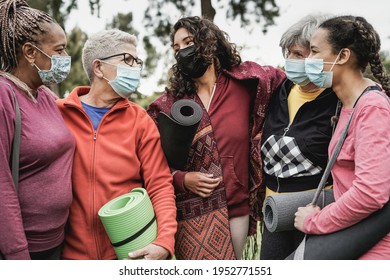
[(218, 186)]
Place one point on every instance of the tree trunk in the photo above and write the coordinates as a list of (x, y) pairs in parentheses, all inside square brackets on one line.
[(207, 9)]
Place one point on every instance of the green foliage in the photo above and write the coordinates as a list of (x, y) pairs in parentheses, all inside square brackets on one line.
[(159, 17), (123, 22), (60, 9), (160, 13)]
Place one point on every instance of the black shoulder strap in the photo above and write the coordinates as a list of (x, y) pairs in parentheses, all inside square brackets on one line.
[(16, 142)]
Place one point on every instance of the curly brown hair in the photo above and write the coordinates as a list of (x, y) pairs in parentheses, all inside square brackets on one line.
[(359, 36), (212, 44)]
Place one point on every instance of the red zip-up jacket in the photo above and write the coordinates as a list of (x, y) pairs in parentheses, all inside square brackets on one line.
[(123, 153)]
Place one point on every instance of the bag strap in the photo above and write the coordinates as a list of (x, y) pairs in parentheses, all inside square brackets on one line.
[(300, 251), (16, 144), (16, 141), (337, 149)]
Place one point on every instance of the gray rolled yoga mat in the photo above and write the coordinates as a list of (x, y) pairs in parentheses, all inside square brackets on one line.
[(350, 243), (178, 129), (129, 221), (279, 209)]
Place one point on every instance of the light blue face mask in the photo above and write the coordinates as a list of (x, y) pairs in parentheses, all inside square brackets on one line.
[(295, 71), (59, 70), (314, 67), (126, 81)]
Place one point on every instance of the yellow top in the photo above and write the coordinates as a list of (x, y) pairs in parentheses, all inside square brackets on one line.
[(297, 98)]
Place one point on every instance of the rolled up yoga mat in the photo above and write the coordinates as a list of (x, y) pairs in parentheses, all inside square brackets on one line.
[(279, 209), (350, 243), (178, 129), (129, 221)]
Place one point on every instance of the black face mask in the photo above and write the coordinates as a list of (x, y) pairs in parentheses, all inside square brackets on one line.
[(188, 65)]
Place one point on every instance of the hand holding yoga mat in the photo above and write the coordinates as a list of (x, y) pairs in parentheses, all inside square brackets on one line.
[(178, 130), (279, 209), (350, 243), (129, 221)]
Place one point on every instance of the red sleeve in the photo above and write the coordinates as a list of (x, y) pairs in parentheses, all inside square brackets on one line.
[(178, 180), (158, 182)]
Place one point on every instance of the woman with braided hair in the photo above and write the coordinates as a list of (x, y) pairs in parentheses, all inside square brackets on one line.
[(33, 207), (340, 51)]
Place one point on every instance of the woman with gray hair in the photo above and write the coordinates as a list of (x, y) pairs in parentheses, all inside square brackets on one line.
[(296, 134), (117, 149)]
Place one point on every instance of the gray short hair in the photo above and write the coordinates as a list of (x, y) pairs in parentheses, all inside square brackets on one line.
[(301, 32), (103, 44)]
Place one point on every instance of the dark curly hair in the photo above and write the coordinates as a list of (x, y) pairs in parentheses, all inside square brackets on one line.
[(356, 34), (211, 43)]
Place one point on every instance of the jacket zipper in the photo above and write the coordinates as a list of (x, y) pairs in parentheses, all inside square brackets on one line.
[(285, 130), (93, 222), (94, 137)]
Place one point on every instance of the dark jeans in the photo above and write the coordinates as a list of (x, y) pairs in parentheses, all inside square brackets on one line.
[(279, 245), (51, 254)]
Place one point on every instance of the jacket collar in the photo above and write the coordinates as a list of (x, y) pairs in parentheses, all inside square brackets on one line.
[(74, 98)]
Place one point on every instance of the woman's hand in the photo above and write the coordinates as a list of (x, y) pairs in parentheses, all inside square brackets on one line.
[(201, 184), (302, 213), (150, 252)]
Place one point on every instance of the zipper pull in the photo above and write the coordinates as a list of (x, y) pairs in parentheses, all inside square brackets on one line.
[(286, 129), (94, 135)]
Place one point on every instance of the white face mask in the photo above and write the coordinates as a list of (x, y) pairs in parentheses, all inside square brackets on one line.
[(126, 81), (295, 71), (314, 71)]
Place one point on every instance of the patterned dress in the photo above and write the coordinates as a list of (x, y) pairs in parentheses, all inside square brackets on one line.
[(203, 223)]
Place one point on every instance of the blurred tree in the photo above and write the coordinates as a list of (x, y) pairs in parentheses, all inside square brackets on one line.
[(60, 9), (159, 17), (161, 14)]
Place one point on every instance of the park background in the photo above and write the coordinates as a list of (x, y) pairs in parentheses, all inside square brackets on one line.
[(255, 26)]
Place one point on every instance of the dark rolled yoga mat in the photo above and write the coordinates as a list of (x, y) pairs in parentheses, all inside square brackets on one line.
[(279, 209), (178, 129), (350, 243)]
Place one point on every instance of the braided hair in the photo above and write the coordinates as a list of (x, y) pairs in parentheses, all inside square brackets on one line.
[(211, 43), (19, 23), (356, 34)]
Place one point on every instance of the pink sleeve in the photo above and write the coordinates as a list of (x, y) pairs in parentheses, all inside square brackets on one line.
[(13, 243), (370, 188)]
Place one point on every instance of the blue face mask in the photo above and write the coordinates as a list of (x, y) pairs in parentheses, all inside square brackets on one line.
[(59, 70), (295, 71), (126, 81), (314, 67)]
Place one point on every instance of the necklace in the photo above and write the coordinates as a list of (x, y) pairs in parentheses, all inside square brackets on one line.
[(211, 97)]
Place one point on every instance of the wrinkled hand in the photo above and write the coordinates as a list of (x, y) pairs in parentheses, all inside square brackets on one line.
[(149, 252), (201, 184), (302, 213)]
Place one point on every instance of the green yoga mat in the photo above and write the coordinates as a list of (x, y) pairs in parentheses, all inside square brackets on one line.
[(129, 221)]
